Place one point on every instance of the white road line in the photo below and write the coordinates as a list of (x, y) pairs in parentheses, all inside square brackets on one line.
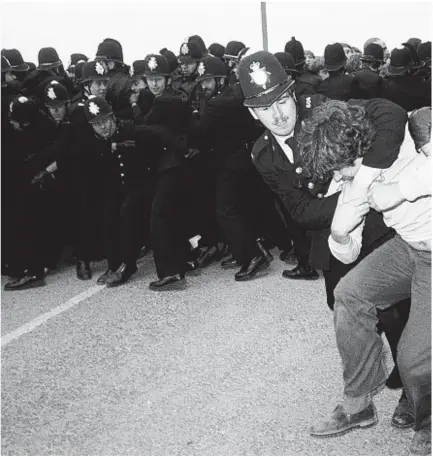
[(26, 328)]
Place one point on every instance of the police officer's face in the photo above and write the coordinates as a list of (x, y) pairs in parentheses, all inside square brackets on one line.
[(156, 84), (138, 85), (98, 88), (348, 173), (105, 128), (208, 85), (280, 117), (57, 112), (188, 68)]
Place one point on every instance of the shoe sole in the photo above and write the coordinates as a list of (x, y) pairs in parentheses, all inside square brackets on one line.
[(260, 272), (31, 286), (364, 424), (178, 285), (315, 278)]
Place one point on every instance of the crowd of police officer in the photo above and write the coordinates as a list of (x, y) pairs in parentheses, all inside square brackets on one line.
[(116, 161)]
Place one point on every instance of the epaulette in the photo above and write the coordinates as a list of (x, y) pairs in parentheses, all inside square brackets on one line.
[(260, 144)]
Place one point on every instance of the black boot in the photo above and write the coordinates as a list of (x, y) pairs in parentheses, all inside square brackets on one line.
[(208, 255), (83, 270), (25, 282), (121, 275), (174, 282), (403, 414), (301, 272), (250, 269)]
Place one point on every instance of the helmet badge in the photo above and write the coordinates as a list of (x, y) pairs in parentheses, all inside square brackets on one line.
[(259, 74), (93, 108), (201, 69), (51, 94), (152, 63)]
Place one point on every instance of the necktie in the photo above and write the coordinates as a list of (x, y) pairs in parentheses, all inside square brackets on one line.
[(291, 142)]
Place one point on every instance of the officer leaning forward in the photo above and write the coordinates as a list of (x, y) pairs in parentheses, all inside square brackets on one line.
[(169, 119), (223, 124), (125, 172), (268, 92)]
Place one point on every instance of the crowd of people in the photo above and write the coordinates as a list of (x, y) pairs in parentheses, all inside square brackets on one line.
[(221, 154)]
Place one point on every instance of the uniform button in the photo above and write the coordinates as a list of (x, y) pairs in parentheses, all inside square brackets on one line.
[(299, 170), (165, 148), (319, 195), (122, 174), (119, 156), (310, 185), (266, 137), (121, 164)]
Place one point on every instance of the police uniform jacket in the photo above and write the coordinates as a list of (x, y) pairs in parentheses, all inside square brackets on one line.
[(339, 87), (307, 84), (167, 125), (368, 84), (408, 92), (224, 128)]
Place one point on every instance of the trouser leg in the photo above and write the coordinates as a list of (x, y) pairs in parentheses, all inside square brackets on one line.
[(132, 222), (232, 192), (170, 246), (414, 349), (378, 281), (112, 231)]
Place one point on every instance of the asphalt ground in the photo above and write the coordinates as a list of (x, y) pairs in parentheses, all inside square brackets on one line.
[(221, 368)]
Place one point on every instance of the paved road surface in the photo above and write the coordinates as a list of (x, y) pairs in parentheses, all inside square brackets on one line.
[(223, 368)]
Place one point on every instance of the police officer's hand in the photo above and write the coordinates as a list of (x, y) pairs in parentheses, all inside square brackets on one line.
[(42, 179), (192, 153), (348, 215), (382, 197), (133, 98)]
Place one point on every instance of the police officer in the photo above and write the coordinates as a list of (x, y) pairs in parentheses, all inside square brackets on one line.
[(119, 87), (368, 83), (94, 82), (190, 53), (170, 119), (264, 82), (401, 87), (338, 86), (222, 110), (125, 176)]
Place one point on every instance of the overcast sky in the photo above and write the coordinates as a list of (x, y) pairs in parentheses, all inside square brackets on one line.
[(143, 27)]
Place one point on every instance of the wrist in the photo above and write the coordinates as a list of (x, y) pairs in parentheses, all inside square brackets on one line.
[(340, 238)]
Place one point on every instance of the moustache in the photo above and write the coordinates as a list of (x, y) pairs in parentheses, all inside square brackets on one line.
[(278, 122)]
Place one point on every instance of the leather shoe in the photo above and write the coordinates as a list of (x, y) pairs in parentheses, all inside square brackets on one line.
[(83, 270), (301, 272), (103, 279), (175, 282), (25, 282), (264, 251), (121, 275), (403, 414), (340, 422), (421, 442), (208, 255), (250, 269)]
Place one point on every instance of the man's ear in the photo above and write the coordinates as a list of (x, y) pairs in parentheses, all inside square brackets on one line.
[(222, 81), (253, 113), (169, 79)]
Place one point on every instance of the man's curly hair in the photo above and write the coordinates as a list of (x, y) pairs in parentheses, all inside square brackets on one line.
[(332, 138)]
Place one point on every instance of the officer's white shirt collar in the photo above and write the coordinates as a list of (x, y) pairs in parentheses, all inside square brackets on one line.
[(286, 148)]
